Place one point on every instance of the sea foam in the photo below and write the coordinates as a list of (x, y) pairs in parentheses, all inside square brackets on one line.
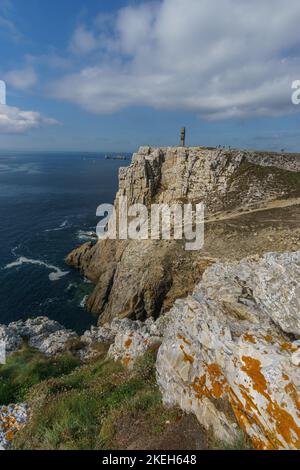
[(83, 302), (86, 235), (62, 226), (55, 275)]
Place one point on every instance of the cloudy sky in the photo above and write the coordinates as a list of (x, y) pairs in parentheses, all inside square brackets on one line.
[(112, 75)]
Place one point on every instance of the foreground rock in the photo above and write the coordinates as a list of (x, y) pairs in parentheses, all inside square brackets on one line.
[(231, 351), (12, 419)]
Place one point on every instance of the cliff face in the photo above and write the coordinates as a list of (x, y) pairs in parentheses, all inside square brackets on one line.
[(222, 179), (252, 206)]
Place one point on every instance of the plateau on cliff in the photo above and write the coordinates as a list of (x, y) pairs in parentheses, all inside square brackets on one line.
[(252, 206)]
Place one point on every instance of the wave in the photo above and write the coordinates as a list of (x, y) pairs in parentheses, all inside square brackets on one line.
[(14, 249), (71, 286), (55, 275), (83, 302), (83, 235), (61, 227)]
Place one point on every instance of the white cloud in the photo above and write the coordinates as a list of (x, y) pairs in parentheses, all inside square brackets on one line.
[(15, 121), (83, 41), (218, 58), (21, 78)]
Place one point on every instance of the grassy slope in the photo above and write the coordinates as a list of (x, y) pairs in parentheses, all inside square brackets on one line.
[(96, 406), (99, 405), (248, 173), (26, 368)]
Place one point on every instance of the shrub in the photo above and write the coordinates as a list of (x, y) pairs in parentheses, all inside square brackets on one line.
[(145, 366)]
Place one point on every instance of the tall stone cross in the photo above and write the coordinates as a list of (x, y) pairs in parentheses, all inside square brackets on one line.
[(182, 136)]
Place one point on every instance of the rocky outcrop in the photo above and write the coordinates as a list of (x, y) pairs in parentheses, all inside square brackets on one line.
[(142, 279), (41, 333), (230, 347), (52, 339), (136, 338), (231, 351)]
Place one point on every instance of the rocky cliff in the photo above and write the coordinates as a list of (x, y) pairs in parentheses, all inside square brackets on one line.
[(224, 321), (252, 207)]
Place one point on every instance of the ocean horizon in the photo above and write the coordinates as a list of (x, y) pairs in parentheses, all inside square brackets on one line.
[(48, 203)]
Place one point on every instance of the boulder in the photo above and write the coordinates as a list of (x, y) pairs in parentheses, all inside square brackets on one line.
[(230, 352)]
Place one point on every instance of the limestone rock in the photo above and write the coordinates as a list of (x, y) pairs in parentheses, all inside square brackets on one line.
[(127, 339), (10, 338), (43, 334), (226, 357), (134, 339)]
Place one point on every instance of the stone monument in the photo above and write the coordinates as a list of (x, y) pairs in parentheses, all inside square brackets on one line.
[(182, 137)]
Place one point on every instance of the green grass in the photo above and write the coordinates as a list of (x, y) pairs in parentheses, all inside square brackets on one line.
[(242, 442), (81, 408), (287, 179), (27, 368)]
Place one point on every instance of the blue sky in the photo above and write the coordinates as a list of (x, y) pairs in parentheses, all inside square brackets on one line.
[(112, 75)]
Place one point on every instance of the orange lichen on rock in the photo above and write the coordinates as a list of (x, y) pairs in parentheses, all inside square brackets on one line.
[(186, 341), (247, 420), (288, 347), (213, 384), (126, 361), (292, 392), (285, 424), (186, 357), (128, 343), (249, 338), (218, 380), (268, 338), (250, 405), (9, 435), (252, 368)]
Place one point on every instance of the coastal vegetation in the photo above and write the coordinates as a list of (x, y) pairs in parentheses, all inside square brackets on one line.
[(98, 405)]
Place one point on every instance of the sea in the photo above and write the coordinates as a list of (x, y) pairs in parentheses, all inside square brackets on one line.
[(48, 205)]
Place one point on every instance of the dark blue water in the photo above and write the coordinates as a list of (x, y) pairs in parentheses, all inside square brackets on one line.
[(47, 201)]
